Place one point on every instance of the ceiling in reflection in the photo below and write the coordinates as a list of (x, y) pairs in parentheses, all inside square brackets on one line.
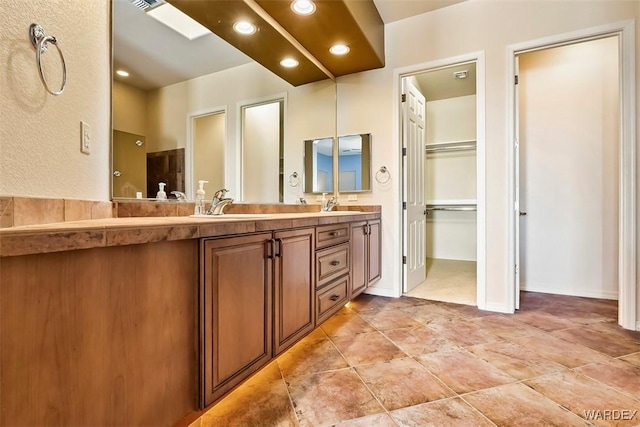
[(156, 56)]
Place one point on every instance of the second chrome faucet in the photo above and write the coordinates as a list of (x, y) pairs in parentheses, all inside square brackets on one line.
[(219, 202)]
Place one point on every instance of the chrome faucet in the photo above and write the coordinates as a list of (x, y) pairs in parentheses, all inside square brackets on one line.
[(219, 202), (180, 196), (329, 204)]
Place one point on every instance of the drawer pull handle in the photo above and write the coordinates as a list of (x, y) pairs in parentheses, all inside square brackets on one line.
[(335, 234), (334, 263), (334, 297)]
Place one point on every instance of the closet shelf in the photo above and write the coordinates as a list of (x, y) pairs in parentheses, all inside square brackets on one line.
[(450, 146), (450, 202)]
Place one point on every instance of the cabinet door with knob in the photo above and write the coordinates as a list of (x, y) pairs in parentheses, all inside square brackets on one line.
[(365, 255), (236, 311), (294, 294)]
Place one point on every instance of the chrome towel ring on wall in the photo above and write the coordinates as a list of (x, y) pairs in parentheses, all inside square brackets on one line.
[(40, 41), (382, 175), (293, 179)]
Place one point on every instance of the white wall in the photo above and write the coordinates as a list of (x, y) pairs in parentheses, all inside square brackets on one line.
[(450, 177), (569, 116), (129, 109), (40, 133), (366, 103)]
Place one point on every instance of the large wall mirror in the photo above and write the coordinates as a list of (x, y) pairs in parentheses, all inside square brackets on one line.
[(194, 110)]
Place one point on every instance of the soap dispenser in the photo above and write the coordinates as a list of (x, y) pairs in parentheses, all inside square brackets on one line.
[(200, 201), (161, 196)]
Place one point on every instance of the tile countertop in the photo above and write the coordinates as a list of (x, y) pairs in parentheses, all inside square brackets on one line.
[(65, 236)]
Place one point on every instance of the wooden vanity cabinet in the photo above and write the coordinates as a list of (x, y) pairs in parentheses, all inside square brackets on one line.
[(257, 298), (236, 311), (294, 284), (365, 255)]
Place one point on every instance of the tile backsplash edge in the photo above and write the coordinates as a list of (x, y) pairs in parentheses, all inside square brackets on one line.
[(20, 210)]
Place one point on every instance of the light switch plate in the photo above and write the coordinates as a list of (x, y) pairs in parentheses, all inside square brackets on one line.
[(85, 138), (352, 197)]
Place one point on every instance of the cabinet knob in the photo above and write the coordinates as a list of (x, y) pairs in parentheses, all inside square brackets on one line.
[(334, 263), (334, 297)]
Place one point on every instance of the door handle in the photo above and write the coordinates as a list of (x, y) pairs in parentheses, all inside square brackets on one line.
[(523, 213), (278, 254)]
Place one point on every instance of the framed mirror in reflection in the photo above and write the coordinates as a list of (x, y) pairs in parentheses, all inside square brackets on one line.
[(354, 163), (191, 103), (318, 165)]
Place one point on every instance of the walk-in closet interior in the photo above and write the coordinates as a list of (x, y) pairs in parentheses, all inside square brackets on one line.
[(450, 184)]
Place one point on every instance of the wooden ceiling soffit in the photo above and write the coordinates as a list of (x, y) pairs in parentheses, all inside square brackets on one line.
[(355, 23), (268, 46)]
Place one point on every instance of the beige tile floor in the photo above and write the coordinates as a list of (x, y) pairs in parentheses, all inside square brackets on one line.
[(448, 281), (412, 362)]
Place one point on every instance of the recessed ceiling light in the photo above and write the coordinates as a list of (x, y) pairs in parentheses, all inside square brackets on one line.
[(122, 73), (178, 21), (339, 49), (244, 27), (303, 7), (289, 63)]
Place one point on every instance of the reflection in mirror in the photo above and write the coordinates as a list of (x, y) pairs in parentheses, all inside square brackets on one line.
[(184, 79), (318, 165), (129, 170), (262, 150), (354, 163), (208, 141)]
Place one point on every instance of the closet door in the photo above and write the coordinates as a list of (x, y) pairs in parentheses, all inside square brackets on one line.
[(413, 108)]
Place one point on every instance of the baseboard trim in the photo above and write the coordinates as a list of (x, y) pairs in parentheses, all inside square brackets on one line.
[(497, 308), (382, 292), (569, 292), (638, 325)]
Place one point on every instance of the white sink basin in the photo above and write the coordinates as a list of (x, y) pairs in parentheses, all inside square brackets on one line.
[(231, 216)]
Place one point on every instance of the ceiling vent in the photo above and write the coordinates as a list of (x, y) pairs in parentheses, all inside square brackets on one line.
[(145, 4)]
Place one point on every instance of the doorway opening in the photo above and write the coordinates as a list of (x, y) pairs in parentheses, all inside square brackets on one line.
[(206, 151), (573, 168), (443, 182), (262, 151)]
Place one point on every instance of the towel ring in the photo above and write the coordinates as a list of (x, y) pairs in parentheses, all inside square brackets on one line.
[(40, 42), (381, 174), (293, 179)]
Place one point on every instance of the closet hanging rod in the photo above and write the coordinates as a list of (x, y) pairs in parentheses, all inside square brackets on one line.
[(452, 208)]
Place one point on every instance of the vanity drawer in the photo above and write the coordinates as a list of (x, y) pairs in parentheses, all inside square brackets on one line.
[(331, 263), (330, 235), (331, 299)]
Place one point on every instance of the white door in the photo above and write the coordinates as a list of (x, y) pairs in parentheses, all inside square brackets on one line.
[(413, 131), (516, 210)]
